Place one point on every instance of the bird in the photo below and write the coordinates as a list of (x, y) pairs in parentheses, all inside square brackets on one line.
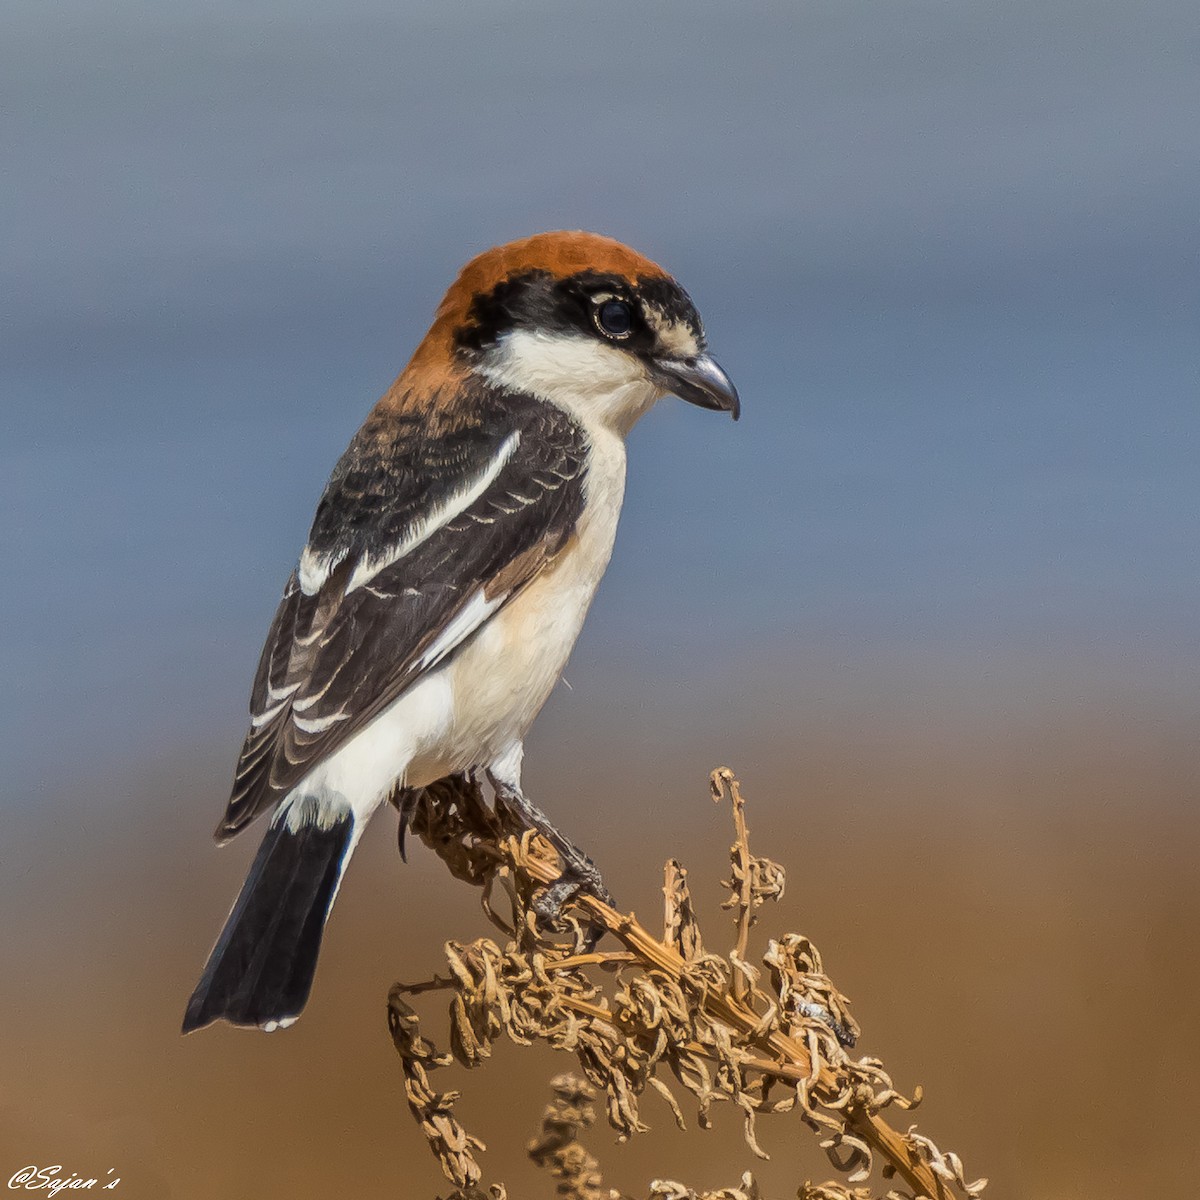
[(451, 561)]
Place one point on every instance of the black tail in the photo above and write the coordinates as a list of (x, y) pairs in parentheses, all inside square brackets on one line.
[(261, 969)]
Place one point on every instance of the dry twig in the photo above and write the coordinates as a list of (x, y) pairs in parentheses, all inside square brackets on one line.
[(770, 1038)]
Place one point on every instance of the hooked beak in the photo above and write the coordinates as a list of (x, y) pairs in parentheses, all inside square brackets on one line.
[(698, 381)]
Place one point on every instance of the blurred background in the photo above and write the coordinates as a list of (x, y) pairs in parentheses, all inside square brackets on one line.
[(934, 598)]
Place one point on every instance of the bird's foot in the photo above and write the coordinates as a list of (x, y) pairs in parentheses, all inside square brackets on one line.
[(579, 877), (579, 874)]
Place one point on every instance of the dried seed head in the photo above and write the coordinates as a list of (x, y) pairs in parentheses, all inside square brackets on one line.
[(769, 1040)]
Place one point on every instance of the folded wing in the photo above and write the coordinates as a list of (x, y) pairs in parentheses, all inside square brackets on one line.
[(420, 537)]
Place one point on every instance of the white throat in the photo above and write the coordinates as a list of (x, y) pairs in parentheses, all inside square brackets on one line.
[(599, 385)]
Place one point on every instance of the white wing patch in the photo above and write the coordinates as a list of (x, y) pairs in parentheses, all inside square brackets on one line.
[(314, 569), (469, 618), (438, 516)]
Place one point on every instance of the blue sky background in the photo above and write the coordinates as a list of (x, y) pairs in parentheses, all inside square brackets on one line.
[(947, 251)]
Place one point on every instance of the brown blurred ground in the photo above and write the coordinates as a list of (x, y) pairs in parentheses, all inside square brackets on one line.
[(1012, 907)]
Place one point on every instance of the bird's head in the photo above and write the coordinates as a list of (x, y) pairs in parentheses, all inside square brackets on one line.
[(579, 320)]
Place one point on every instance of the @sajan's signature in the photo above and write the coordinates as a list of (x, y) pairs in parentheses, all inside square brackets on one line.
[(51, 1180)]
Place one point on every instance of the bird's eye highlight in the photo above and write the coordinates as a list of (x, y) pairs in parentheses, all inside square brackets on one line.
[(614, 319)]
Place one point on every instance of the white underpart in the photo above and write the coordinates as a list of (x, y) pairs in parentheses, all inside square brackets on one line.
[(305, 806), (600, 385), (439, 515)]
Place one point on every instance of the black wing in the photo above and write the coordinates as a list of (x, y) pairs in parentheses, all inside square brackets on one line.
[(417, 540)]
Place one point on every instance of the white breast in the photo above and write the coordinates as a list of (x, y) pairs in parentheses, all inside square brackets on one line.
[(502, 677)]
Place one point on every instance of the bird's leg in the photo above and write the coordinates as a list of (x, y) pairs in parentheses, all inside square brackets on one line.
[(579, 873)]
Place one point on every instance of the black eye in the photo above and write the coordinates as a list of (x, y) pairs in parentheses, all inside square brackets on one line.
[(614, 319)]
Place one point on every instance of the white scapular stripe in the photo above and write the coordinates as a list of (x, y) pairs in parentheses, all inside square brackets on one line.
[(469, 618), (438, 516)]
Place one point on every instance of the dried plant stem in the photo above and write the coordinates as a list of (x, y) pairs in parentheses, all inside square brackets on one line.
[(743, 897), (675, 1006), (791, 1059)]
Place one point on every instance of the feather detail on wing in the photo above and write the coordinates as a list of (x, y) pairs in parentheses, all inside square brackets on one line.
[(418, 540)]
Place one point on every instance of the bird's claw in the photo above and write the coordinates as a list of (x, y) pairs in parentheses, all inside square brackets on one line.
[(579, 877)]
